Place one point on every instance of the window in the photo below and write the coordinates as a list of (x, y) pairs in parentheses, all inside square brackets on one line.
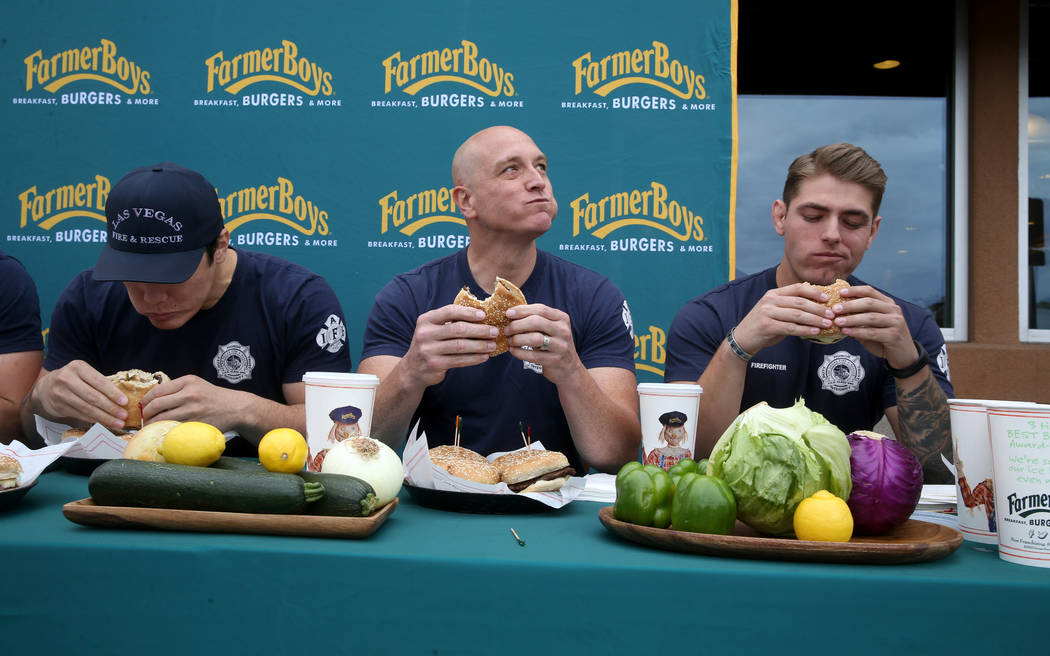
[(1034, 274), (807, 78)]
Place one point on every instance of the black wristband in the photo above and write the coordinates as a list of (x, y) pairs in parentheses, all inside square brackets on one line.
[(914, 367)]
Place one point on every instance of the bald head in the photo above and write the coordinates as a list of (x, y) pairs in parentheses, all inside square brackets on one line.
[(468, 156)]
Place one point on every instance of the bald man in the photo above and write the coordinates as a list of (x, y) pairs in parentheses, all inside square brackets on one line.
[(568, 378)]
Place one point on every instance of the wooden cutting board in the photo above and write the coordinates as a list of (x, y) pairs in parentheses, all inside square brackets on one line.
[(911, 542), (87, 513)]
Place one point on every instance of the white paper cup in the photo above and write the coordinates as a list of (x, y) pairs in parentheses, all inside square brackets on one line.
[(668, 414), (973, 485), (338, 406), (1020, 438)]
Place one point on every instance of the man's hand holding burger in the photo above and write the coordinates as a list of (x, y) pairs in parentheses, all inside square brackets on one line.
[(547, 332), (799, 309), (446, 338), (876, 321), (191, 398), (75, 393)]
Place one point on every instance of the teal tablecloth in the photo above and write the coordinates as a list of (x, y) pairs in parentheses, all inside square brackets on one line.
[(436, 582)]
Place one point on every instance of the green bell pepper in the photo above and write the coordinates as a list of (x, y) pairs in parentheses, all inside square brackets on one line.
[(687, 466), (643, 495), (703, 504)]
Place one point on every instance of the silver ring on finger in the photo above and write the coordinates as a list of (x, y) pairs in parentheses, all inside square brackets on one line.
[(546, 345)]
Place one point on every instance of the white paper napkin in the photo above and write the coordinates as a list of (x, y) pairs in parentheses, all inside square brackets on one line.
[(421, 472), (97, 442), (600, 487), (937, 497), (34, 461)]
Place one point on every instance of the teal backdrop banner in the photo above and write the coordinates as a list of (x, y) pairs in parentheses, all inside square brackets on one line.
[(328, 131)]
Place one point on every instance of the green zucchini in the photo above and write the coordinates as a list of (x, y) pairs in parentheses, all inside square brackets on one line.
[(232, 463), (143, 484), (344, 496)]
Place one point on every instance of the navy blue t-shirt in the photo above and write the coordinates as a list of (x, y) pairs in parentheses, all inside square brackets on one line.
[(842, 381), (19, 308), (276, 321), (493, 398)]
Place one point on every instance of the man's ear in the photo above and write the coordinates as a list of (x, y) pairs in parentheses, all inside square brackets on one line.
[(464, 201), (779, 215), (874, 230), (222, 245)]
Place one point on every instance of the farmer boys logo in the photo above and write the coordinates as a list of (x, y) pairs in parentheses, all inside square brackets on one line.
[(1030, 504), (650, 350), (643, 78), (402, 215), (483, 82), (681, 229), (101, 63), (283, 65), (300, 221), (44, 209)]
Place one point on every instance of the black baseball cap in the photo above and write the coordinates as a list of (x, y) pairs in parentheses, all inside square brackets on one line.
[(159, 219), (346, 415), (673, 418)]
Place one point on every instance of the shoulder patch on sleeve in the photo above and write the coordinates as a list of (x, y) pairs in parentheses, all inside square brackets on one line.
[(625, 314), (332, 335)]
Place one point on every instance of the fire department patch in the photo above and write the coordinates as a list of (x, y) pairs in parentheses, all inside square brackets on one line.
[(234, 362), (841, 373)]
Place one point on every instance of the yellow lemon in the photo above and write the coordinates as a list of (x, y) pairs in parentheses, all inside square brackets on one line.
[(823, 517), (283, 450), (193, 443)]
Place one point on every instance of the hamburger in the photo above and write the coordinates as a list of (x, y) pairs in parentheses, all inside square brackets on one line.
[(534, 470), (464, 463), (450, 452), (134, 383), (72, 434), (472, 470), (505, 296), (10, 472), (833, 333)]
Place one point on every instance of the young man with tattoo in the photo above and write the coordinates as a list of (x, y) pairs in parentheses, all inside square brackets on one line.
[(748, 340)]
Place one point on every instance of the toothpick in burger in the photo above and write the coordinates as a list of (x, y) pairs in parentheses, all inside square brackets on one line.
[(134, 383)]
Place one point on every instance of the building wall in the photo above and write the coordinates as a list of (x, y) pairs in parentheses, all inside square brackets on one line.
[(994, 363)]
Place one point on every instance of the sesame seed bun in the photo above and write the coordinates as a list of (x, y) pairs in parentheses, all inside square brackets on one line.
[(450, 452), (503, 298), (472, 470), (10, 472)]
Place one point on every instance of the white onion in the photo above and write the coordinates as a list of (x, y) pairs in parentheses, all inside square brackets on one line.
[(371, 461)]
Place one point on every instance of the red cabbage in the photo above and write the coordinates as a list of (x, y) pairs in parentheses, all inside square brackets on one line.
[(887, 482)]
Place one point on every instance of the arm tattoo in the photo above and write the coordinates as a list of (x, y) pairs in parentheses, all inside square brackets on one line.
[(926, 428)]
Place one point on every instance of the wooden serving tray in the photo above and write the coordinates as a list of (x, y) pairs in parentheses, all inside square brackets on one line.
[(87, 513), (911, 542)]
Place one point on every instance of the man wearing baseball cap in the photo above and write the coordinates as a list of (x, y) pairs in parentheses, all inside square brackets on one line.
[(234, 330)]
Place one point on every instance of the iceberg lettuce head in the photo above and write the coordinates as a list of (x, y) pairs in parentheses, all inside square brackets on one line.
[(773, 458)]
